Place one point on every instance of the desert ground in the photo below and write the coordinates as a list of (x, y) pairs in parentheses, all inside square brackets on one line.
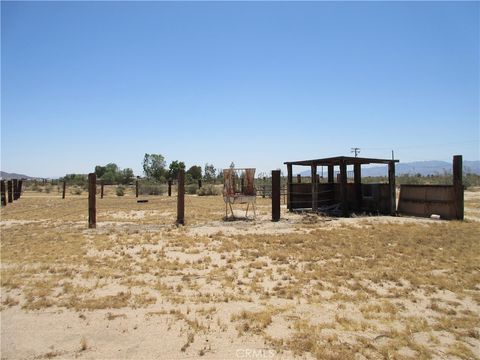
[(139, 287)]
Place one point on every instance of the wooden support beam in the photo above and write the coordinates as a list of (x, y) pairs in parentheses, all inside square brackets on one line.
[(181, 198), (92, 206), (10, 191), (3, 193), (20, 184), (15, 189), (458, 186), (299, 179), (289, 186), (330, 174), (392, 188), (314, 178), (343, 188), (64, 188), (357, 179), (275, 195)]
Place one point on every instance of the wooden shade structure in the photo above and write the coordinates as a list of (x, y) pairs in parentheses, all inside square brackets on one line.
[(348, 197)]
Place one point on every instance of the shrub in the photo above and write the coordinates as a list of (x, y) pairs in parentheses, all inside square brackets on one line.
[(191, 189), (120, 190), (151, 188), (48, 188), (208, 190), (76, 190)]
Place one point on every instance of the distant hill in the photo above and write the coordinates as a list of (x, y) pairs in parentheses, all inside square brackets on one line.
[(424, 168), (7, 176)]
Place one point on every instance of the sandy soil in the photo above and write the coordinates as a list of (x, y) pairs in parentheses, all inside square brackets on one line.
[(139, 287)]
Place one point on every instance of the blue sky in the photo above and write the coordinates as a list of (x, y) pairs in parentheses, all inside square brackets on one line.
[(257, 83)]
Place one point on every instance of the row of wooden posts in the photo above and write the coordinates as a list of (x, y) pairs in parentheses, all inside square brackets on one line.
[(11, 190), (92, 192)]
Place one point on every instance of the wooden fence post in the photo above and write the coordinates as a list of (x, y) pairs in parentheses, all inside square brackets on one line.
[(64, 188), (458, 186), (181, 198), (343, 188), (3, 194), (199, 183), (92, 209), (275, 195), (299, 178), (264, 187), (169, 187), (15, 189), (20, 183), (392, 189), (101, 189), (289, 187), (10, 191), (136, 188)]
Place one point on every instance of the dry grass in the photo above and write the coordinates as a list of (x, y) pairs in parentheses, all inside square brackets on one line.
[(383, 289)]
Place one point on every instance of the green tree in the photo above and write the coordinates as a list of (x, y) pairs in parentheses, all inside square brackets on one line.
[(125, 176), (154, 166), (174, 167), (209, 172), (195, 172), (100, 170)]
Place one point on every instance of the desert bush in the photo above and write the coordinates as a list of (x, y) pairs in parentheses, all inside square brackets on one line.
[(151, 188), (36, 188), (48, 188), (191, 189), (75, 190), (208, 190), (120, 191)]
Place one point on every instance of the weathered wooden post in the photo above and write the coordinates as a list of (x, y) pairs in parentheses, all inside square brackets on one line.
[(169, 187), (181, 198), (343, 188), (3, 193), (275, 195), (458, 186), (392, 189), (101, 189), (136, 188), (10, 191), (199, 183), (92, 208), (264, 187), (357, 179), (331, 178), (15, 189), (289, 186), (299, 179), (20, 183), (313, 170), (64, 188)]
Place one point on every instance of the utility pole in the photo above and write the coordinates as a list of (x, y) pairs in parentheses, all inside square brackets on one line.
[(355, 150)]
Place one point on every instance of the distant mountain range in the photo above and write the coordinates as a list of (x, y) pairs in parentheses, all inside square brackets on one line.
[(424, 168), (7, 176)]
